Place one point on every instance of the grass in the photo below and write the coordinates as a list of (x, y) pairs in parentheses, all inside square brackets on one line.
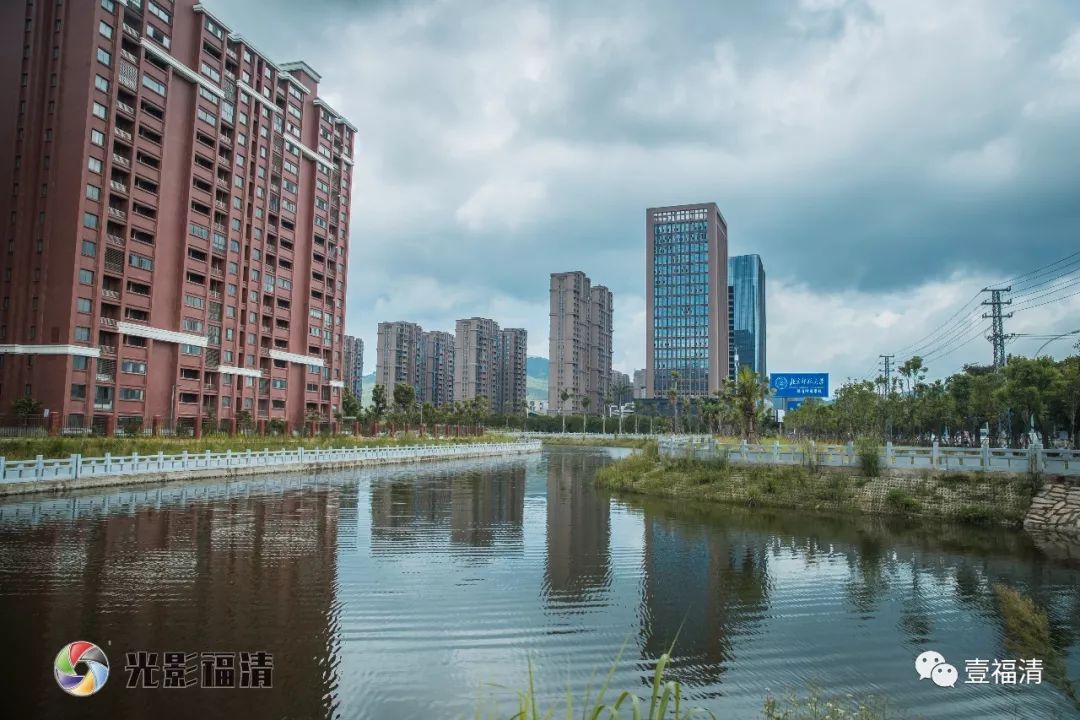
[(611, 441), (994, 501), (665, 702), (1028, 635), (869, 452), (59, 447)]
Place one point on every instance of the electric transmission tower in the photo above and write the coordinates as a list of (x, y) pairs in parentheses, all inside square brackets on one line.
[(886, 373), (997, 330)]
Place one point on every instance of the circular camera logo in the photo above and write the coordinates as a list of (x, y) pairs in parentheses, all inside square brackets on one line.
[(81, 668)]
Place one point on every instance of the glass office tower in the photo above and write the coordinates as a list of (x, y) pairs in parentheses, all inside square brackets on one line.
[(746, 276), (686, 300)]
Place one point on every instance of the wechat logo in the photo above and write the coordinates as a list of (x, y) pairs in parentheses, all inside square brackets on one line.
[(931, 665)]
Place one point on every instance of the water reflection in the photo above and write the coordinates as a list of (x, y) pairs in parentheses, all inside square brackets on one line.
[(411, 592)]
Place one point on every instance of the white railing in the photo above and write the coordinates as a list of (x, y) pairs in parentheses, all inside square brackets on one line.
[(1013, 460), (78, 467)]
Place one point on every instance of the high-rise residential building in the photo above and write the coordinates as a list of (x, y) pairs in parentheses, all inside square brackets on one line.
[(639, 384), (686, 302), (177, 218), (746, 277), (513, 351), (620, 380), (579, 342), (437, 368), (354, 365), (399, 356), (476, 359)]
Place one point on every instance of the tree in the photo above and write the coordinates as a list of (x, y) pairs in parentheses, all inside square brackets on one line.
[(563, 397), (1069, 394), (378, 402), (585, 402), (1029, 386), (404, 397), (607, 410), (749, 394), (26, 408), (914, 371), (350, 405), (673, 397)]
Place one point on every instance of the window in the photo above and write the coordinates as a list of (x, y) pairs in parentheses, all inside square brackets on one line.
[(89, 248), (104, 57), (155, 10), (83, 305), (101, 83), (206, 117), (189, 373), (93, 192), (214, 29), (86, 277), (278, 383), (130, 393), (133, 367), (210, 72), (191, 350), (193, 325), (99, 111), (209, 97), (194, 301), (82, 333), (108, 5), (90, 220), (140, 261), (152, 84), (79, 362), (105, 29), (94, 164), (78, 391), (157, 35), (199, 231), (97, 138)]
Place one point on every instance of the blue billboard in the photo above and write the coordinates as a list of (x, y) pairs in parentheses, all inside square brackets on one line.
[(793, 404), (799, 385)]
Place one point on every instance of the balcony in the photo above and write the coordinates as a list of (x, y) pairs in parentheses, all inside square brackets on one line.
[(221, 205), (102, 377), (118, 186), (131, 31), (107, 349), (108, 322), (130, 56), (110, 295), (215, 295), (123, 134), (125, 108), (120, 160), (117, 213), (105, 405), (115, 240)]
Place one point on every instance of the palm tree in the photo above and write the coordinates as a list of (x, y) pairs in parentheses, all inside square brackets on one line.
[(673, 396), (585, 402), (607, 409), (749, 395), (564, 396)]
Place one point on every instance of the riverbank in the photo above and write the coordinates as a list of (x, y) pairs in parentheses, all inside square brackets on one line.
[(59, 447), (976, 498), (78, 472), (612, 441)]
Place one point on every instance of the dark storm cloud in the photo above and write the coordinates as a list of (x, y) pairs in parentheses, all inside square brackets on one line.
[(862, 146)]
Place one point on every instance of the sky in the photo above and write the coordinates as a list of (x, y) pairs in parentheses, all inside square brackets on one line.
[(887, 160)]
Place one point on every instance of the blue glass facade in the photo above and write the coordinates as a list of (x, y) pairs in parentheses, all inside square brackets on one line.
[(686, 302), (746, 275)]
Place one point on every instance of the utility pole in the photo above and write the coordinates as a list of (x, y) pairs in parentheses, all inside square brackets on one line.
[(997, 338), (997, 329), (887, 362), (886, 373)]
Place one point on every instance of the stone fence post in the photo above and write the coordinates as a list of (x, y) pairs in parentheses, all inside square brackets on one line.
[(935, 455)]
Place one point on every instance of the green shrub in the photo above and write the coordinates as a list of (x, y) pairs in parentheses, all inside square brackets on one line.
[(901, 502), (869, 453)]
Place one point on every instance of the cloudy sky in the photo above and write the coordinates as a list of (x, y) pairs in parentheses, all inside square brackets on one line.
[(887, 159)]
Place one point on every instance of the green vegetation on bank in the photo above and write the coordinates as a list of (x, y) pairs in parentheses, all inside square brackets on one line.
[(94, 446), (611, 441), (984, 499)]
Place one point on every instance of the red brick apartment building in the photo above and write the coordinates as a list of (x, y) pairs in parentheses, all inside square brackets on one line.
[(175, 214)]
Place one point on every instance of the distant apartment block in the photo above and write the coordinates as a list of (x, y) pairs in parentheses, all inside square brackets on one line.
[(621, 380), (354, 365), (176, 219), (579, 342), (746, 277), (490, 362), (639, 384), (686, 301), (399, 356), (513, 351), (437, 368)]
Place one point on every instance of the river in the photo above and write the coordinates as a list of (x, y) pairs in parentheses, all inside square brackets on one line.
[(426, 591)]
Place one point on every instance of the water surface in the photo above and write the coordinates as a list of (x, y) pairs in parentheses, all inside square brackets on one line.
[(424, 591)]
